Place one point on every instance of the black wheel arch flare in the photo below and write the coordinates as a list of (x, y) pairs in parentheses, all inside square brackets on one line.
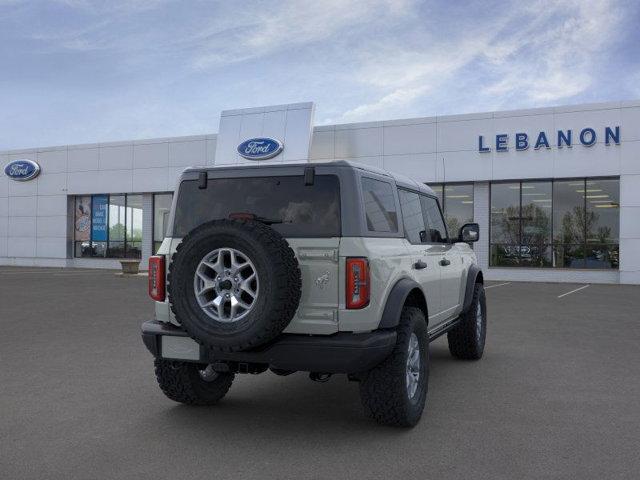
[(404, 290)]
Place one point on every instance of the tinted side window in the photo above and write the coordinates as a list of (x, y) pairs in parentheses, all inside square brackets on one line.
[(379, 205), (288, 205), (436, 231), (412, 216)]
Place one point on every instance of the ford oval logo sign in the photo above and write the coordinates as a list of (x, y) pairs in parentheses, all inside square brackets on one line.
[(22, 170), (260, 148)]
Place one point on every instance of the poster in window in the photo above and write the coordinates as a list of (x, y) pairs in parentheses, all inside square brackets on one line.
[(83, 219), (99, 218)]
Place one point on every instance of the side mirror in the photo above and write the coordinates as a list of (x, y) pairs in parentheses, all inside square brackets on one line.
[(470, 232)]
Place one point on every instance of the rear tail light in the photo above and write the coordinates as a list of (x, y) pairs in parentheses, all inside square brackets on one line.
[(156, 278), (358, 286)]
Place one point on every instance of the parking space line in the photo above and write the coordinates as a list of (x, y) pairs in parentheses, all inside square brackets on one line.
[(573, 291), (497, 285)]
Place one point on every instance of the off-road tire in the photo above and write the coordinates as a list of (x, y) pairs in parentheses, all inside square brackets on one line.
[(277, 269), (383, 390), (466, 340), (181, 382)]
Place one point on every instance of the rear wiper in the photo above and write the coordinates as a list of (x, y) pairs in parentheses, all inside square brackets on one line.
[(255, 218)]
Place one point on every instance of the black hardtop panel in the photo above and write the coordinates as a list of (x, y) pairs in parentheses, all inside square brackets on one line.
[(322, 168)]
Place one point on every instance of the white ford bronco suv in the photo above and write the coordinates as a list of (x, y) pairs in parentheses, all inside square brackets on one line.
[(322, 268)]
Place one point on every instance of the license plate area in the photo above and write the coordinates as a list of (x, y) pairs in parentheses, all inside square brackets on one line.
[(179, 348)]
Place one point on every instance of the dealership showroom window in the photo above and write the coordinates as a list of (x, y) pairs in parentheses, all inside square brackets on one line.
[(561, 223), (110, 226)]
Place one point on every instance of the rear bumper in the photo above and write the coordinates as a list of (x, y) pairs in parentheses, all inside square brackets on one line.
[(338, 353)]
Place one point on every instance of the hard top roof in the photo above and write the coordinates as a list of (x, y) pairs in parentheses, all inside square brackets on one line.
[(400, 180)]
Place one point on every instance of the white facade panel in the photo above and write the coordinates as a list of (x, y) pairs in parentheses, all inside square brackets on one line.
[(4, 226), (420, 166), (409, 139), (630, 157), (51, 205), (83, 182), (115, 181), (228, 140), (52, 226), (462, 166), (211, 151), (47, 247), (4, 185), (630, 191), (4, 206), (528, 163), (22, 189), (358, 142), (21, 246), (187, 153), (631, 249), (52, 183), (83, 159), (454, 136), (22, 206), (151, 155), (22, 227), (580, 161), (322, 145), (53, 161), (297, 134), (629, 222), (630, 119), (149, 180), (481, 215), (118, 157)]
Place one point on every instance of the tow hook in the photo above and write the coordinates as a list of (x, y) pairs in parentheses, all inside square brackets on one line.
[(320, 377)]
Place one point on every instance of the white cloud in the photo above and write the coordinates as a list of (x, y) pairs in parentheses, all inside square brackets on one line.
[(253, 33), (543, 52), (554, 63)]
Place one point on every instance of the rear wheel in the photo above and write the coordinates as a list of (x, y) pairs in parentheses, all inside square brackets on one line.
[(192, 383), (466, 340), (395, 391)]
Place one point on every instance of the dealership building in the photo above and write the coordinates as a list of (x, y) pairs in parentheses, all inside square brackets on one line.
[(556, 190)]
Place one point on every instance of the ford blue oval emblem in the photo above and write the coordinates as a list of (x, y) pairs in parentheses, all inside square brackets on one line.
[(22, 170), (260, 148)]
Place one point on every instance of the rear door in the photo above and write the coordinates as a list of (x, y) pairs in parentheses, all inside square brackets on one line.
[(426, 269)]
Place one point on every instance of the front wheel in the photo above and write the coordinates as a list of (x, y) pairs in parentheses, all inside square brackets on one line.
[(394, 392), (192, 383), (466, 340)]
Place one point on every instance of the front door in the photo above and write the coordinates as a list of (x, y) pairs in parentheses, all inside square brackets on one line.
[(451, 271), (444, 255)]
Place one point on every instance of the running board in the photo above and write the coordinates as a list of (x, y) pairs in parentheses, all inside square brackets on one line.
[(442, 328)]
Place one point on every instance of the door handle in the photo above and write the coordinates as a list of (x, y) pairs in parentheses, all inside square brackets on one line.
[(419, 265), (444, 262)]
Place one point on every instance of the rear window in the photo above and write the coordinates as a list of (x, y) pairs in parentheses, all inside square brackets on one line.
[(291, 208), (379, 206)]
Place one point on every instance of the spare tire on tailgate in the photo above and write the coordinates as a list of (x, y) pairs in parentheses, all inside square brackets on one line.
[(234, 284)]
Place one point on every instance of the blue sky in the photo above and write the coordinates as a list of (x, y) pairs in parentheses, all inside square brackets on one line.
[(76, 71)]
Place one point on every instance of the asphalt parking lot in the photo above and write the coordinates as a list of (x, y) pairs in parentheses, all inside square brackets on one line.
[(556, 395)]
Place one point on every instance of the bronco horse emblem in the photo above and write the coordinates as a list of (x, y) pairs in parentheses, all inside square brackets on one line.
[(322, 280)]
